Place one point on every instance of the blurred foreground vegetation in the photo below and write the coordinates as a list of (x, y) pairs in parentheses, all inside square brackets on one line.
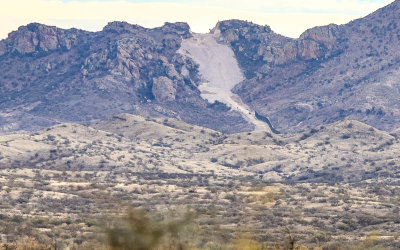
[(179, 230)]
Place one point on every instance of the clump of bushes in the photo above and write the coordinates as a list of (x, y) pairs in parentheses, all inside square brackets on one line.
[(138, 231)]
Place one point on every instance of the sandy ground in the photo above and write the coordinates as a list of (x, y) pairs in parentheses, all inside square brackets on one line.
[(220, 72)]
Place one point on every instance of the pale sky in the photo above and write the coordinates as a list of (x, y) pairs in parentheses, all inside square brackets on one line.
[(287, 17)]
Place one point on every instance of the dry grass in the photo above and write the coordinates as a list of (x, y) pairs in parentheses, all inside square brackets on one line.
[(335, 183)]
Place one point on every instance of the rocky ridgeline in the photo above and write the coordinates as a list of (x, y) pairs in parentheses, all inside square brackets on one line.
[(329, 73), (129, 51), (148, 60), (256, 42), (52, 75)]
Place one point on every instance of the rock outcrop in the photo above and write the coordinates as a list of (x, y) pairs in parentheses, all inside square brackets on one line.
[(317, 42), (163, 89), (272, 48), (35, 38), (180, 28), (325, 35)]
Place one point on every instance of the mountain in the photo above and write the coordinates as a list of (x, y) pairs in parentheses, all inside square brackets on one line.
[(330, 73), (50, 75)]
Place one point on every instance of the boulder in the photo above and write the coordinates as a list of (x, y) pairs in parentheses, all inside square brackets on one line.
[(37, 37), (47, 37), (163, 89), (24, 41)]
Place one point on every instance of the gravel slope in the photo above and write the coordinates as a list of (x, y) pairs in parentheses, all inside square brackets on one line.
[(220, 72)]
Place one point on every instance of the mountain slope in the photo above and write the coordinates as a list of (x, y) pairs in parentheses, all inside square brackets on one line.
[(220, 74), (50, 75), (330, 73)]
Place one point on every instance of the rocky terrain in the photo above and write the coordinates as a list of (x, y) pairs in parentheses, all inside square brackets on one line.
[(50, 75), (330, 73)]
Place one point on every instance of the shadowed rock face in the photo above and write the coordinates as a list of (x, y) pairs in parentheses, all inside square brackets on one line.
[(3, 48), (329, 73)]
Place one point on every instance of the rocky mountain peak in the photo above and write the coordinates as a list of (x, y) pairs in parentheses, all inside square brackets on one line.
[(72, 75), (180, 28), (259, 45), (236, 23), (121, 27), (329, 73), (35, 37), (230, 30)]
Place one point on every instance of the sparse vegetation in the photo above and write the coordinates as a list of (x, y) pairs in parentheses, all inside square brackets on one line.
[(322, 188)]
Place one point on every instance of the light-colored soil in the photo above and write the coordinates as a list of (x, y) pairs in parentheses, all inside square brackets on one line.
[(220, 72)]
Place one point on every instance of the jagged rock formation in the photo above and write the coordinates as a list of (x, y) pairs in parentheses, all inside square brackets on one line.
[(36, 38), (329, 73), (254, 42)]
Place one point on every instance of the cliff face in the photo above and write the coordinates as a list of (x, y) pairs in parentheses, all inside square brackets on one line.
[(35, 38), (260, 43), (51, 75), (329, 73)]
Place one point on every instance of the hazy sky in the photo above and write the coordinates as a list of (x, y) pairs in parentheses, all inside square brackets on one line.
[(287, 17)]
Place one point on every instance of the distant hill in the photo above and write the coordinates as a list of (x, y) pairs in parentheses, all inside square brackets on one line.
[(343, 152)]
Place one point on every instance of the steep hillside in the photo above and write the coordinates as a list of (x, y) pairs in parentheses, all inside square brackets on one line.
[(220, 73), (50, 75), (330, 73)]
